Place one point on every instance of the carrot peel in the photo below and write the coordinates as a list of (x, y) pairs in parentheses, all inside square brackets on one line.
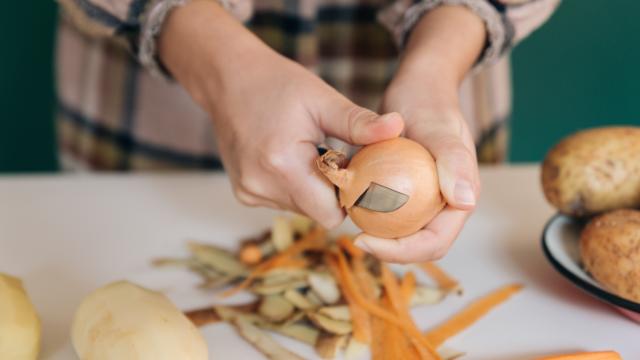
[(400, 304), (596, 355), (444, 280), (408, 286), (346, 243), (400, 347), (346, 278), (359, 316), (470, 314)]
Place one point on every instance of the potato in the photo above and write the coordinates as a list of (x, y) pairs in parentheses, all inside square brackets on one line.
[(594, 171), (19, 323), (610, 251), (125, 321)]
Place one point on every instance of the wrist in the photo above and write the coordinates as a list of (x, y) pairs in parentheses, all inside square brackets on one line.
[(413, 92), (440, 51), (205, 48), (444, 44)]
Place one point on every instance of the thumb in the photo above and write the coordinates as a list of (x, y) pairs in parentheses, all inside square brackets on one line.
[(457, 171), (357, 125)]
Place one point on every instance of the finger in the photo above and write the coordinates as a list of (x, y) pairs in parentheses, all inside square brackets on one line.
[(430, 243), (356, 125), (255, 190), (305, 188), (457, 167), (251, 199)]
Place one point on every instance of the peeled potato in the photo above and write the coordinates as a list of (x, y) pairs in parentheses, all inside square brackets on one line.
[(610, 251), (125, 321), (19, 323), (594, 171)]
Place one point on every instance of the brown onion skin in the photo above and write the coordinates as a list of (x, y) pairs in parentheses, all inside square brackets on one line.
[(402, 165)]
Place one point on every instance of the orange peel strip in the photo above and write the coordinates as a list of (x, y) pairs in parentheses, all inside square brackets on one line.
[(596, 355), (408, 286), (360, 318), (346, 243), (400, 305), (346, 278), (469, 315), (444, 280)]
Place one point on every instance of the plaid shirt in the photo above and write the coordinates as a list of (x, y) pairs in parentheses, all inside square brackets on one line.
[(114, 114)]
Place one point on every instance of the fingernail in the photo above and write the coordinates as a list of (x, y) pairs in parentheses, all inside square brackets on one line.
[(464, 194), (362, 245)]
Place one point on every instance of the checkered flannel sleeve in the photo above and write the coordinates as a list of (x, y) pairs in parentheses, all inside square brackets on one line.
[(117, 20), (134, 24), (507, 21)]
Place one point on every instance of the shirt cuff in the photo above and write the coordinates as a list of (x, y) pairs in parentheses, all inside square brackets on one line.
[(153, 21), (152, 25), (401, 24)]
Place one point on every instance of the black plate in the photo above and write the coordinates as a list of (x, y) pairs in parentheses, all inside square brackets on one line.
[(560, 240)]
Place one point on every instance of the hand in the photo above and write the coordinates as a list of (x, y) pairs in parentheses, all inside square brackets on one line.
[(447, 137), (269, 113), (441, 49)]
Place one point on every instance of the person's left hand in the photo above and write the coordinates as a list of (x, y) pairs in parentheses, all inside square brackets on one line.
[(445, 134), (441, 49)]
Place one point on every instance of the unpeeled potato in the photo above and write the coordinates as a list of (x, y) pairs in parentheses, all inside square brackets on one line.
[(594, 171), (125, 321), (19, 323), (610, 251)]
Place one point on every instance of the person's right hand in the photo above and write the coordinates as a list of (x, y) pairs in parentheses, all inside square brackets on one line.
[(269, 113)]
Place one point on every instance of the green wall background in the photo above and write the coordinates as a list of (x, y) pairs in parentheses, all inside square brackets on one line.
[(581, 70), (26, 86)]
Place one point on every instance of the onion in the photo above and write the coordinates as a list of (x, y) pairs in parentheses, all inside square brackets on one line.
[(399, 164)]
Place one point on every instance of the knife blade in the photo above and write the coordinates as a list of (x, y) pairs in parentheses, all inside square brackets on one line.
[(381, 198)]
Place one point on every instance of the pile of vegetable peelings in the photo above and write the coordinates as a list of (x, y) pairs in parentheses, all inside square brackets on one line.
[(330, 295)]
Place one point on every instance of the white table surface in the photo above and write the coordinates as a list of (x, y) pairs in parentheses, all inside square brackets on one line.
[(66, 235)]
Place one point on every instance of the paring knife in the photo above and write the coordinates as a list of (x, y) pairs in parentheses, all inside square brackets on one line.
[(377, 197), (381, 198)]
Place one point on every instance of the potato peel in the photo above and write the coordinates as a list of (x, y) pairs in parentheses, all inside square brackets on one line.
[(337, 312), (218, 259), (338, 327), (328, 345), (281, 233), (425, 295), (275, 308), (298, 300), (328, 294), (262, 341), (299, 331), (325, 286)]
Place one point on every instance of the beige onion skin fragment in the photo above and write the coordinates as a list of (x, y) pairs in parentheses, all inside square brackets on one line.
[(125, 321), (20, 328)]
